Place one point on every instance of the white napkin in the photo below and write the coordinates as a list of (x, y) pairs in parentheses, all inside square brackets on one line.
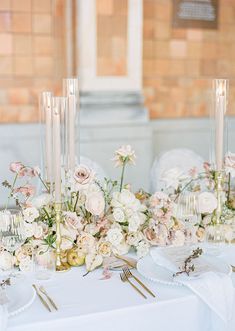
[(217, 292), (3, 310)]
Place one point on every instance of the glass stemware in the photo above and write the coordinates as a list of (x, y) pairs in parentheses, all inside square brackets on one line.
[(12, 229)]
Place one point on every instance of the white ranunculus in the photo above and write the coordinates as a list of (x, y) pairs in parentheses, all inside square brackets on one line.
[(207, 203), (6, 261), (95, 203), (41, 200), (118, 215), (30, 214), (115, 236), (142, 248), (172, 177)]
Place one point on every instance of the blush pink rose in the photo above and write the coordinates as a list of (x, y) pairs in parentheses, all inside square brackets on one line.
[(72, 220), (83, 175)]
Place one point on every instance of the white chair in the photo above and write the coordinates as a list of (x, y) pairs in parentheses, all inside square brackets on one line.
[(179, 161)]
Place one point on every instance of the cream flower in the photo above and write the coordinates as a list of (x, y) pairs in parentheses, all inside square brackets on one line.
[(86, 243), (95, 203), (207, 203), (38, 231), (30, 214), (104, 248), (121, 249), (125, 154), (6, 261), (115, 236), (134, 223), (72, 220), (133, 238)]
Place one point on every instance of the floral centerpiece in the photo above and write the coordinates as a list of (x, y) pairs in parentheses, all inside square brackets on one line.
[(103, 219)]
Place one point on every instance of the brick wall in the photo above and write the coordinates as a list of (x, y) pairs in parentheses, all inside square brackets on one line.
[(179, 64), (30, 55)]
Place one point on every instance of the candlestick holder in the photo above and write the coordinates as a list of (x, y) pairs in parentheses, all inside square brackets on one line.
[(216, 232), (60, 266)]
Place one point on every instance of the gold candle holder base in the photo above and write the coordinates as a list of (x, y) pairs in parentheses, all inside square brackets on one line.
[(60, 266)]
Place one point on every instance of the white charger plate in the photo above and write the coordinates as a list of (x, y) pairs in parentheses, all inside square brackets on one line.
[(21, 295), (156, 273)]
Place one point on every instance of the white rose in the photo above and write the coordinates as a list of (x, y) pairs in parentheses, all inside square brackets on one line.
[(6, 261), (26, 264), (115, 236), (41, 200), (127, 198), (118, 215), (207, 203), (142, 248), (30, 214), (95, 203), (68, 236), (134, 223), (86, 243)]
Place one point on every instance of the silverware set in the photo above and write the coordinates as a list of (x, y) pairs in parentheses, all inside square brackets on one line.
[(45, 299), (125, 276)]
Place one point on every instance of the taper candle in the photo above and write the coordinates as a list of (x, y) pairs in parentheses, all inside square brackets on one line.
[(57, 148)]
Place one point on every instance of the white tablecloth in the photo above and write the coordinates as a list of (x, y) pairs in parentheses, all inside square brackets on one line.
[(89, 304)]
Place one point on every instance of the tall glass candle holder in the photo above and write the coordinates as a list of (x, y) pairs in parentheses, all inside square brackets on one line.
[(71, 92), (45, 105), (59, 108), (219, 122)]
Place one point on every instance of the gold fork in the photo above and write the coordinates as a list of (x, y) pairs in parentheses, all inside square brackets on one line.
[(41, 298), (129, 274), (125, 279), (42, 289)]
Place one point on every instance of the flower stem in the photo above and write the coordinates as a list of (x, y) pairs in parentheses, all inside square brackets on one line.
[(44, 184), (12, 188), (229, 186), (75, 205), (122, 175)]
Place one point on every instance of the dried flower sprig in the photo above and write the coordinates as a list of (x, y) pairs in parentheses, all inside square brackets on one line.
[(188, 265)]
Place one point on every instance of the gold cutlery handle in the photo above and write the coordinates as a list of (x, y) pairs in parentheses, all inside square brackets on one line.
[(136, 288), (41, 299), (51, 301), (144, 286)]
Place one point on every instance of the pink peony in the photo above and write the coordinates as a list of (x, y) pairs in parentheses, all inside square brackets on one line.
[(27, 190)]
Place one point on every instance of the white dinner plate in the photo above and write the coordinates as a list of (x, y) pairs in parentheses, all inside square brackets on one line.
[(21, 295), (156, 273)]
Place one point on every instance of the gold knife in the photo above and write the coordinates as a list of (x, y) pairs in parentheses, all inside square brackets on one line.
[(41, 298), (42, 289)]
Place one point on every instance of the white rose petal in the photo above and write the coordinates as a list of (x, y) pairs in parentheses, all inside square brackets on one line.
[(30, 214)]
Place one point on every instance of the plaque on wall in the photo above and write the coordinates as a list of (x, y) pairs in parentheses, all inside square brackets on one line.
[(201, 14)]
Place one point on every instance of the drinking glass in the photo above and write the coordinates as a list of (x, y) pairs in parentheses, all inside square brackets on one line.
[(12, 229), (44, 263), (187, 212)]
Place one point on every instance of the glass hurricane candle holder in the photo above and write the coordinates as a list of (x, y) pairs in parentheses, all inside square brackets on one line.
[(44, 263)]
